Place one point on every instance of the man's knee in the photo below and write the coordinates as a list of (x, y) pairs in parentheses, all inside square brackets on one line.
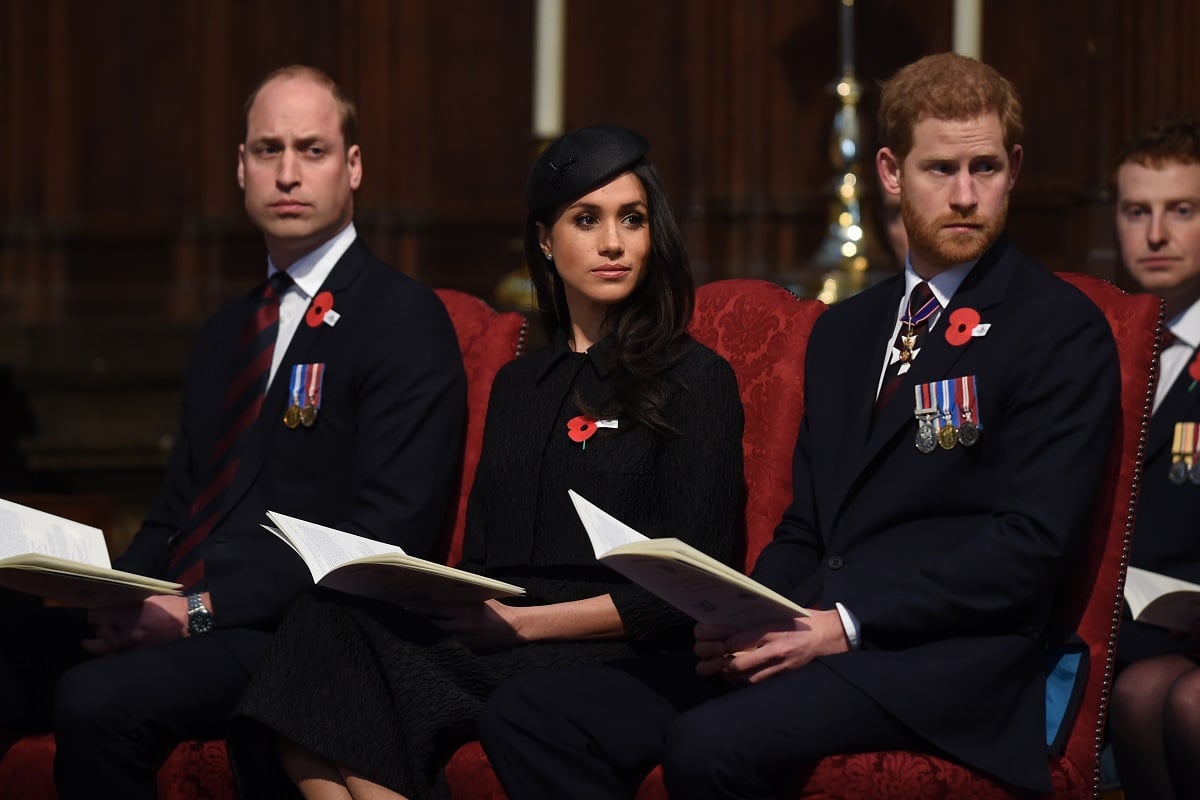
[(86, 699), (514, 709), (699, 755)]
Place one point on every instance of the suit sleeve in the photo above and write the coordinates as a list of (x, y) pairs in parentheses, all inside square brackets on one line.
[(701, 488)]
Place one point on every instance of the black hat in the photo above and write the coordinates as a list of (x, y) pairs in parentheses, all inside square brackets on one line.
[(579, 161)]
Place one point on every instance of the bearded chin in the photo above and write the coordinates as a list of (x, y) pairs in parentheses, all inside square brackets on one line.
[(941, 248)]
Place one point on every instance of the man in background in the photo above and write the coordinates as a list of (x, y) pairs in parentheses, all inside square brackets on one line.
[(1155, 722)]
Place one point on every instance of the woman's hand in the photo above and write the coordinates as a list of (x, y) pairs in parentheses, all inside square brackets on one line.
[(480, 626)]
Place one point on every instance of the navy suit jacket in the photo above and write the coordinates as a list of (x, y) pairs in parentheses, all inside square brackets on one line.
[(380, 461), (950, 559), (1165, 538)]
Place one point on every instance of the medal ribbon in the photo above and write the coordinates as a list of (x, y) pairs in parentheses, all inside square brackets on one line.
[(968, 400), (1189, 442), (314, 381), (948, 404), (296, 384), (924, 402), (923, 313)]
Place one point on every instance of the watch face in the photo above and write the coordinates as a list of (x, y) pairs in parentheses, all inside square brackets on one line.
[(199, 618)]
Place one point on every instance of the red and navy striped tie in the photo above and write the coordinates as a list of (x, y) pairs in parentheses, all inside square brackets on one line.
[(249, 370)]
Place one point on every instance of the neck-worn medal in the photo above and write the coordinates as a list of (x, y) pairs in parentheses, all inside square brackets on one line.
[(910, 320)]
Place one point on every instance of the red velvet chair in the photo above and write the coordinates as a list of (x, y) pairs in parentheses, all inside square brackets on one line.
[(200, 770), (762, 330), (1091, 599)]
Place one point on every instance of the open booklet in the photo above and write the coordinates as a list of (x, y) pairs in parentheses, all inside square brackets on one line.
[(1161, 600), (65, 562), (368, 568), (692, 581)]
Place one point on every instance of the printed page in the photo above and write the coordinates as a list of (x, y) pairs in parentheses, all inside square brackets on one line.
[(604, 530), (26, 530), (322, 548)]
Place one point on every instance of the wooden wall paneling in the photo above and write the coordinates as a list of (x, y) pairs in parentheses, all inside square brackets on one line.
[(1056, 158), (385, 58), (480, 127), (1100, 111), (694, 130), (208, 133), (26, 267)]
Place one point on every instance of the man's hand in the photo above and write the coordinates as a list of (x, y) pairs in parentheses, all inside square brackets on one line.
[(161, 618), (480, 626), (752, 656)]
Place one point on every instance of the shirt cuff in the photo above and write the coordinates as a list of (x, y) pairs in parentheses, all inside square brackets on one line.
[(850, 624)]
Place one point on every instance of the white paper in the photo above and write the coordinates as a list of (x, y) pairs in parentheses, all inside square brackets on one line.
[(604, 530)]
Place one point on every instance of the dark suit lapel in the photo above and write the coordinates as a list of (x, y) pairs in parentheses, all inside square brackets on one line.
[(984, 288), (864, 348), (341, 278), (1181, 404)]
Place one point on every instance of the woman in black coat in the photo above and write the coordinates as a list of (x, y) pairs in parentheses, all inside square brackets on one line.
[(360, 698)]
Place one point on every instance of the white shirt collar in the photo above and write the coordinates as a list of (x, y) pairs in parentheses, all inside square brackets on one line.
[(1186, 325), (943, 285), (310, 270)]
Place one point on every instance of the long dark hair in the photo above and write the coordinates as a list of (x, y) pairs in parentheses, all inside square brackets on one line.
[(649, 328)]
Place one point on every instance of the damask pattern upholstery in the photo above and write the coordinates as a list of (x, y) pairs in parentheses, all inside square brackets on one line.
[(200, 770), (488, 340)]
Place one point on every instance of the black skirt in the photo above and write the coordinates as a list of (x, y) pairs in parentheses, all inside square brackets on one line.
[(377, 690)]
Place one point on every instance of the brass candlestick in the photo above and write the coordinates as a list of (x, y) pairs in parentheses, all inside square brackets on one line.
[(844, 260)]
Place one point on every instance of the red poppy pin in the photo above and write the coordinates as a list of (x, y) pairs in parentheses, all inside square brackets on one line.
[(322, 304), (962, 326), (1194, 370), (581, 428)]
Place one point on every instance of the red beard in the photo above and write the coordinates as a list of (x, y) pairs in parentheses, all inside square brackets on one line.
[(940, 247)]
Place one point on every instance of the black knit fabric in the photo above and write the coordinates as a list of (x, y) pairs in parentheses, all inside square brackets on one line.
[(386, 694)]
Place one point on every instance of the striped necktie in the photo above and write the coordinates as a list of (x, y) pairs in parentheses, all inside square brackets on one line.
[(914, 324), (250, 367)]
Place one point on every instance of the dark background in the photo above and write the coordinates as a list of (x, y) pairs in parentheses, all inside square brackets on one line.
[(121, 225)]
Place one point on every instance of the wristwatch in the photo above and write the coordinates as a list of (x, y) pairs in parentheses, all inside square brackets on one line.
[(200, 619)]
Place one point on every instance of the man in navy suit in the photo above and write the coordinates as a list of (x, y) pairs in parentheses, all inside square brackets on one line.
[(943, 477), (343, 404), (1155, 723)]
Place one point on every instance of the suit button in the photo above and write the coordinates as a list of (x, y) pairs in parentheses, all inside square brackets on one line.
[(835, 562)]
